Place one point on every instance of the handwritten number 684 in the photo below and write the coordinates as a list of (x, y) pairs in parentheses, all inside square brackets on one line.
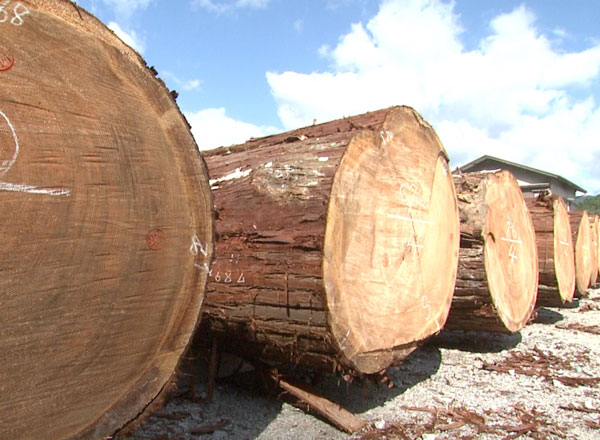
[(18, 11)]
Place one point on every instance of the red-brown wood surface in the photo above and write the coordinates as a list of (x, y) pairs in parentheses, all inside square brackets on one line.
[(303, 273), (105, 210), (556, 256), (497, 279)]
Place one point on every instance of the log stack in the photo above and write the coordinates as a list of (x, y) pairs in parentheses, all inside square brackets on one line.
[(580, 227), (598, 235), (498, 265), (556, 257), (594, 250), (106, 210), (337, 244)]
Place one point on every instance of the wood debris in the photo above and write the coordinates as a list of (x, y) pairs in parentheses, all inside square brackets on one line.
[(592, 424), (530, 422), (332, 412), (581, 408), (539, 364), (589, 307), (594, 329)]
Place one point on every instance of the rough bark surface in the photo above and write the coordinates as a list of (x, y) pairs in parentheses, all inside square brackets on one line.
[(580, 227), (556, 255), (497, 277), (102, 194), (337, 244)]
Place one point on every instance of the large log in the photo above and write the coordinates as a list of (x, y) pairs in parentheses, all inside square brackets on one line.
[(337, 244), (103, 193), (594, 250), (597, 222), (556, 257), (497, 277), (580, 227)]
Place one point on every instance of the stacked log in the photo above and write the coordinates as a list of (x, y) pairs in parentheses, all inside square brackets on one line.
[(556, 258), (103, 196), (497, 277), (337, 244), (580, 227), (598, 235), (594, 251)]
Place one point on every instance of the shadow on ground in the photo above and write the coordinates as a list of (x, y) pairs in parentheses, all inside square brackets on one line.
[(476, 341), (359, 397), (239, 386), (547, 316)]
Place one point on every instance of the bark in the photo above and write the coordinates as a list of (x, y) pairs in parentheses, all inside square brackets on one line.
[(337, 244), (332, 412), (102, 190), (556, 257), (498, 268), (580, 228)]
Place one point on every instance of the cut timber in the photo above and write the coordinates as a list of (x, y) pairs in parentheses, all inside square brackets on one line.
[(556, 257), (102, 193), (594, 250), (332, 412), (580, 227), (597, 222), (337, 244), (497, 277)]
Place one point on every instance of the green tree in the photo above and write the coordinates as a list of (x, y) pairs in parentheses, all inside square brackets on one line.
[(590, 204)]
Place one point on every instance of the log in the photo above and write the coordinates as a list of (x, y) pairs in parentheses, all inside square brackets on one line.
[(594, 250), (497, 277), (102, 193), (580, 228), (556, 257), (337, 244), (597, 222)]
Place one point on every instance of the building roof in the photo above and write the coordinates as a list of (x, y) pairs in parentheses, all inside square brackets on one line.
[(469, 166)]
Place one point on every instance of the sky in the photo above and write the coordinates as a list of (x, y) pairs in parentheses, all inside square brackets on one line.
[(519, 80)]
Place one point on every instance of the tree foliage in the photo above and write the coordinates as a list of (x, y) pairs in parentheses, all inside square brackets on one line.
[(591, 204)]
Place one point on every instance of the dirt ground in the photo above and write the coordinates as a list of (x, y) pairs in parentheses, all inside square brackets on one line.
[(542, 383)]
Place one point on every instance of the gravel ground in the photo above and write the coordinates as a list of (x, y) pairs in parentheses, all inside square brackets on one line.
[(541, 383)]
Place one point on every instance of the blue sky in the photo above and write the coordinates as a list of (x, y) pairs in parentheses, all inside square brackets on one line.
[(515, 79)]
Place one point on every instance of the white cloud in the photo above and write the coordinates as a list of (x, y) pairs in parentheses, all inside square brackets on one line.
[(510, 97), (130, 37), (125, 8), (560, 33), (212, 128), (298, 25), (181, 84), (220, 7)]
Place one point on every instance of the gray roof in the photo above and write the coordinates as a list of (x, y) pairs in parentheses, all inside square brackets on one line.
[(469, 166)]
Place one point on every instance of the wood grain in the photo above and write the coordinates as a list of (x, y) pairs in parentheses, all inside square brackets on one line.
[(582, 237), (556, 255), (497, 278), (102, 190)]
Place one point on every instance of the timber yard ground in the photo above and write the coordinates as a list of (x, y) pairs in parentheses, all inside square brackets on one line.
[(541, 383)]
